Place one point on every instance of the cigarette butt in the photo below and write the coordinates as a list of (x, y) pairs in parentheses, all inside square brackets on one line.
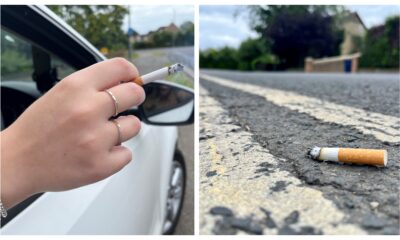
[(377, 157)]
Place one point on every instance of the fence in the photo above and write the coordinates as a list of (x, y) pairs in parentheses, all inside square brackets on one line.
[(345, 63)]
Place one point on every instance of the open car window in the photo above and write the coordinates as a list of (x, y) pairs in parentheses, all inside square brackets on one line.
[(17, 59)]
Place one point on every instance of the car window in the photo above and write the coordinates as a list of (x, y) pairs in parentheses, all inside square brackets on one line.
[(17, 59)]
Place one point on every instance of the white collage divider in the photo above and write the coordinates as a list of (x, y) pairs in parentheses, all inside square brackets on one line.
[(197, 3)]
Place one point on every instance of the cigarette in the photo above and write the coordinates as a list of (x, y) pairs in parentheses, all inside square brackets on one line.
[(159, 74), (377, 157)]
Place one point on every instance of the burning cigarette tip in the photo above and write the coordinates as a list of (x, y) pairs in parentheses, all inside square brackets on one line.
[(377, 157)]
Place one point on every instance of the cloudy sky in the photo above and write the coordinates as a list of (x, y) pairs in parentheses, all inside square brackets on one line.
[(220, 27), (146, 18)]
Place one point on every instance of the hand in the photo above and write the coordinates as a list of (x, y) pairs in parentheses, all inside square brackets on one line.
[(65, 140)]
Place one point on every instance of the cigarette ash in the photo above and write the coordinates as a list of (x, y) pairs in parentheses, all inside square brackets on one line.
[(313, 152)]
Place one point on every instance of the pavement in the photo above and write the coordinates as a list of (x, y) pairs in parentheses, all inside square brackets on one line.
[(149, 60), (255, 130)]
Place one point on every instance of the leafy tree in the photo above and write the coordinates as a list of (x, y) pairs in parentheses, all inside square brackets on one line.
[(185, 37), (99, 24), (297, 31), (248, 51), (254, 54), (381, 48)]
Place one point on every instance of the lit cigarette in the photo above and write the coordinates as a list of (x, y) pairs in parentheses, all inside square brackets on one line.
[(159, 74), (375, 157)]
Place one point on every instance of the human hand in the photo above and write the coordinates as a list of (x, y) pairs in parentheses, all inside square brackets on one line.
[(65, 140)]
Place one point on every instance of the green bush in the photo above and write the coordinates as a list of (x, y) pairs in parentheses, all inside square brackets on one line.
[(265, 62), (381, 48), (224, 58), (252, 54)]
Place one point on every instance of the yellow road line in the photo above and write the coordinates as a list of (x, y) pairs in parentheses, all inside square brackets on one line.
[(382, 127), (239, 189)]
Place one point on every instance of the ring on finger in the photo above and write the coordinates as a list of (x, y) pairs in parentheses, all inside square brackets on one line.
[(116, 123), (115, 101)]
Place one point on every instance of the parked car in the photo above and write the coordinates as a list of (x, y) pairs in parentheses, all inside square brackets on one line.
[(38, 49)]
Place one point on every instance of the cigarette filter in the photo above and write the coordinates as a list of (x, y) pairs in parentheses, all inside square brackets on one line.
[(158, 74), (375, 157)]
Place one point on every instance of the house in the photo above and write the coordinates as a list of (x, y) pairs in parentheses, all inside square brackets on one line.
[(148, 37), (354, 32)]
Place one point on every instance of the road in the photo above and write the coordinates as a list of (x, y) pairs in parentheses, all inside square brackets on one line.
[(255, 130), (146, 61)]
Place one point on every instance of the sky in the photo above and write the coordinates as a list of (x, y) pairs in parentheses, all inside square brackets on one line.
[(220, 27), (145, 18)]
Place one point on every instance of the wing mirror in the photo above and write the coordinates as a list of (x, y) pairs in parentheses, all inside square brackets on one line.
[(166, 104)]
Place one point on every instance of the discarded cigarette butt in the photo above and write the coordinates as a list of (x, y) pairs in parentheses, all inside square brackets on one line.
[(377, 157), (159, 74)]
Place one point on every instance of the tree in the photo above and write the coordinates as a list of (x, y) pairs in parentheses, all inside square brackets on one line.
[(185, 36), (254, 54), (99, 24), (381, 48), (295, 32)]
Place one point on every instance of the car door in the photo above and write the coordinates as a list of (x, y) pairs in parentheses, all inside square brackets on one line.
[(129, 202)]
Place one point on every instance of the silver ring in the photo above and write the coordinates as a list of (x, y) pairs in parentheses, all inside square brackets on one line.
[(115, 101), (119, 130)]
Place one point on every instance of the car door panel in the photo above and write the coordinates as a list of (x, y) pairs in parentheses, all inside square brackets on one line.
[(129, 202)]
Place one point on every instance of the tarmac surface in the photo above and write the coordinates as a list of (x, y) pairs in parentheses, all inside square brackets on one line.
[(255, 130)]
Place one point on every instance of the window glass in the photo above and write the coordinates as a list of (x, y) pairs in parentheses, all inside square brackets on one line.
[(17, 60)]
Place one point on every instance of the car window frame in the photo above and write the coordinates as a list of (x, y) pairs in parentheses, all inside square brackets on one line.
[(35, 24)]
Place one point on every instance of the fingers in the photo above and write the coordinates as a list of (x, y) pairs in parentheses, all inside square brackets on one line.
[(118, 158), (108, 73), (129, 127), (127, 95)]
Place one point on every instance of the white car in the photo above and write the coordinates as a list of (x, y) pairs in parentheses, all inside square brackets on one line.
[(146, 197)]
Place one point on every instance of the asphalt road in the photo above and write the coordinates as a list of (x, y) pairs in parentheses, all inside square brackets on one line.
[(149, 60), (255, 130)]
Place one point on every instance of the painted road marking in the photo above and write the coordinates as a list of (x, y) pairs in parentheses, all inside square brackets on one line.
[(234, 159), (382, 127)]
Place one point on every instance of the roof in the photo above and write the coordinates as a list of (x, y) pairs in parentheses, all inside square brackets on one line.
[(356, 16)]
